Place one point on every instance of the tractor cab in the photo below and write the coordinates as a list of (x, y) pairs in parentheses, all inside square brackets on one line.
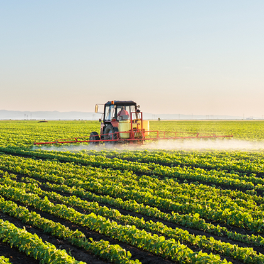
[(119, 117), (118, 110)]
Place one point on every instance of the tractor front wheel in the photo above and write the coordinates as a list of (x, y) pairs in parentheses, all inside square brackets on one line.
[(110, 133)]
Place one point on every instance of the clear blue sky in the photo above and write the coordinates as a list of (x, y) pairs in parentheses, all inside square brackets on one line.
[(187, 57)]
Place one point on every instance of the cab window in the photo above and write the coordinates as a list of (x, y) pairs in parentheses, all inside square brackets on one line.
[(123, 112), (109, 112)]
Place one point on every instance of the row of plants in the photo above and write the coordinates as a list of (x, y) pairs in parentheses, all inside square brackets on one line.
[(166, 184), (167, 188), (158, 245), (183, 173), (33, 246), (161, 190), (103, 249), (228, 214), (158, 169), (246, 255), (188, 220), (242, 162), (4, 260)]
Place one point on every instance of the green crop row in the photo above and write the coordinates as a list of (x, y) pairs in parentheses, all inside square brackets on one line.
[(188, 220), (193, 174), (129, 234), (33, 246), (4, 260), (231, 215), (184, 220), (243, 162), (246, 255), (157, 169), (113, 253), (163, 188), (111, 190)]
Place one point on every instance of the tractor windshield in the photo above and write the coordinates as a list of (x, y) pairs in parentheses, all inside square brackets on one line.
[(124, 111), (118, 112)]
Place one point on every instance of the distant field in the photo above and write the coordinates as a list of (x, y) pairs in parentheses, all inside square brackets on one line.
[(248, 130), (24, 133), (130, 206)]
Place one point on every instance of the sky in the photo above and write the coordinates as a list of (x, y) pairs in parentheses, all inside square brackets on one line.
[(171, 57)]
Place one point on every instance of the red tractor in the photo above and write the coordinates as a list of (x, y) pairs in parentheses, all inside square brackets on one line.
[(121, 121)]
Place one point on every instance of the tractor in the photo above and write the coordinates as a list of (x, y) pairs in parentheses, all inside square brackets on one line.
[(121, 121)]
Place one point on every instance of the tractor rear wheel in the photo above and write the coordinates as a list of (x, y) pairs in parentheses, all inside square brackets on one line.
[(94, 136), (110, 133)]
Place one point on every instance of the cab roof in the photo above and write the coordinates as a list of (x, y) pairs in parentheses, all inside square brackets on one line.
[(121, 103)]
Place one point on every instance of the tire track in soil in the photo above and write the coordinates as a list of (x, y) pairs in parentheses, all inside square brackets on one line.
[(77, 253)]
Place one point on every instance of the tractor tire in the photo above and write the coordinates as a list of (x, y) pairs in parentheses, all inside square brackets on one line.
[(108, 134), (94, 136)]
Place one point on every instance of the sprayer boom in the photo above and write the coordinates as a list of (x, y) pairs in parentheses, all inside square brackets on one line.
[(137, 136)]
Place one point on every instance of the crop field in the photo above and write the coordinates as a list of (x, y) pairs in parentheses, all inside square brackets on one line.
[(117, 204)]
